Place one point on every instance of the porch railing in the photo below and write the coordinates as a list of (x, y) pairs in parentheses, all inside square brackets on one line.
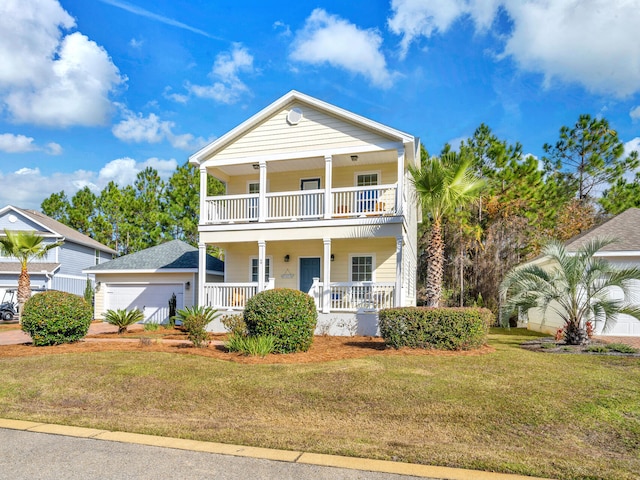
[(231, 296), (354, 296), (374, 200)]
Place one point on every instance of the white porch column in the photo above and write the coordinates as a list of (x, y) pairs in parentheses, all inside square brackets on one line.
[(202, 273), (326, 278), (399, 282), (400, 190), (262, 249), (204, 217), (262, 200), (328, 201)]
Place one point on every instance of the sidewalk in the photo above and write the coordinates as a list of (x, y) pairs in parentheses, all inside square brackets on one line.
[(18, 337)]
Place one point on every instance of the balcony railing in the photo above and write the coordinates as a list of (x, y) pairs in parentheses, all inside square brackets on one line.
[(301, 204)]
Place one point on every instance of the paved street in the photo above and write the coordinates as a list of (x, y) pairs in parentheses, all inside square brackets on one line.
[(40, 456)]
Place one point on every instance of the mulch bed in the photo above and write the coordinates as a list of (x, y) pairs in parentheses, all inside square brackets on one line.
[(323, 349), (549, 345)]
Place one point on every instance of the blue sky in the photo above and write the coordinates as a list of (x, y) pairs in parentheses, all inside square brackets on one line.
[(96, 90)]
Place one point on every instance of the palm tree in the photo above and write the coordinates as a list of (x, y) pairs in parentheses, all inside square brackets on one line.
[(443, 185), (24, 246), (577, 288)]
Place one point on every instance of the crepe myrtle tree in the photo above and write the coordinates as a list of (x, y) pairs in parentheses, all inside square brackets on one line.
[(578, 287)]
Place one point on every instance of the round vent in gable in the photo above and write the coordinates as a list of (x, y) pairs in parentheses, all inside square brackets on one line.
[(294, 116)]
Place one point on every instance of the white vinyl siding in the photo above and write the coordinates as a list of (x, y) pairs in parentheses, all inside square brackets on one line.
[(316, 130)]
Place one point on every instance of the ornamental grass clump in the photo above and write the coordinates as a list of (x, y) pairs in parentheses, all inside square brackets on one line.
[(259, 346), (122, 318), (53, 318), (288, 315), (194, 321)]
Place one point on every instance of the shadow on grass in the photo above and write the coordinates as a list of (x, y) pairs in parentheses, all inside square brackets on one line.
[(512, 336)]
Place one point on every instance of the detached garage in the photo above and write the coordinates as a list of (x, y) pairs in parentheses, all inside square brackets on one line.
[(148, 279)]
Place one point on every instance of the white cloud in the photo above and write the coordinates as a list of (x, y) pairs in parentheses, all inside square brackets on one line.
[(136, 43), (417, 18), (632, 145), (28, 171), (330, 39), (176, 97), (53, 148), (635, 113), (49, 78), (590, 42), (150, 129), (19, 185), (11, 143), (227, 86), (284, 29)]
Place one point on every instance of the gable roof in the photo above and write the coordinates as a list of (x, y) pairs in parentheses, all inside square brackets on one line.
[(294, 96), (172, 255), (624, 228), (60, 229)]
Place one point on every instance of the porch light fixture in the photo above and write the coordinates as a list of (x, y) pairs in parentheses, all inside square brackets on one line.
[(354, 158), (333, 257), (187, 285), (286, 258), (256, 166)]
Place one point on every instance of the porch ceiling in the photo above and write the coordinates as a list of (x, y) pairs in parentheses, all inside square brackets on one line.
[(312, 163)]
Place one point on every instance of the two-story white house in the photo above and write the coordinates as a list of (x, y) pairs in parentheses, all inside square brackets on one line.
[(317, 199)]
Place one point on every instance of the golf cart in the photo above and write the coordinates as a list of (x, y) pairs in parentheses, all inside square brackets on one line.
[(8, 309)]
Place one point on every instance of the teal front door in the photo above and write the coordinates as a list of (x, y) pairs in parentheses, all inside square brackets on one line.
[(309, 268)]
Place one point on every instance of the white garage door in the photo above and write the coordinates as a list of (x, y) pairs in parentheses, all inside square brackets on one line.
[(625, 325), (151, 299)]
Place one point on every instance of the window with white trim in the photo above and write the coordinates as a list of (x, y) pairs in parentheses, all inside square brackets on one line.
[(362, 268), (254, 269)]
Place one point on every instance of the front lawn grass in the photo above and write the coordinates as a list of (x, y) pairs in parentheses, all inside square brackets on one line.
[(559, 416)]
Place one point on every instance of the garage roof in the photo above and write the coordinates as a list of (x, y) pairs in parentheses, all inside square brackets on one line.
[(173, 255), (623, 228)]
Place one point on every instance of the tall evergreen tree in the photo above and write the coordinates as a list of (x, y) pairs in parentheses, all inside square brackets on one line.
[(592, 155)]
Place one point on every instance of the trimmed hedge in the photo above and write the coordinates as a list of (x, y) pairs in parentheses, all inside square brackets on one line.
[(435, 328), (286, 314), (53, 318)]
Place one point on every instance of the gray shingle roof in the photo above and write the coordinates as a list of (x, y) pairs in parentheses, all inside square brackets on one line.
[(624, 228), (68, 233), (32, 267), (175, 254)]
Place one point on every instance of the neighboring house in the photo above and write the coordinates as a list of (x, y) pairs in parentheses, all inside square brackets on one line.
[(317, 199), (625, 252), (62, 268), (147, 279)]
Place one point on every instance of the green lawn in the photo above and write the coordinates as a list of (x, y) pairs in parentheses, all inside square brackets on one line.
[(561, 416)]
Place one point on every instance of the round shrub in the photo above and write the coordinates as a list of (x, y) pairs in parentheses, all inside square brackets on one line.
[(288, 315), (53, 317)]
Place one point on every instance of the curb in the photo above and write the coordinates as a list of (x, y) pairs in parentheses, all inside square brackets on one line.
[(364, 464)]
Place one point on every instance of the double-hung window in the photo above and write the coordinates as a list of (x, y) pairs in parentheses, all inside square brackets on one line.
[(254, 269)]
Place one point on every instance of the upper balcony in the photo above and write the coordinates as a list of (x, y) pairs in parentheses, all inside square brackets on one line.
[(345, 202)]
